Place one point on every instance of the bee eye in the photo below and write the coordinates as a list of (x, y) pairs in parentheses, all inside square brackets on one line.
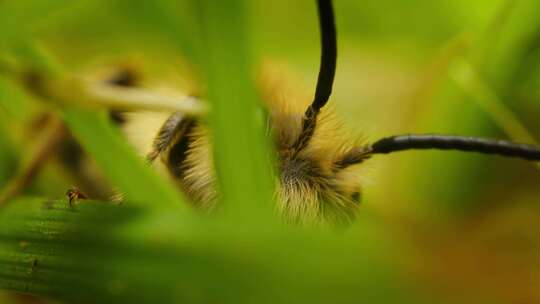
[(356, 197)]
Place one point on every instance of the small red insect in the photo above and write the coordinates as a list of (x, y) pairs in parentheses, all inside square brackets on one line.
[(74, 195)]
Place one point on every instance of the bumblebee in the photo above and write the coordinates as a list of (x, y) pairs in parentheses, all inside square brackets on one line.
[(319, 170)]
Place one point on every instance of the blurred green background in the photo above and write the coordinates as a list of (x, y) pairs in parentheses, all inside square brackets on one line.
[(472, 68)]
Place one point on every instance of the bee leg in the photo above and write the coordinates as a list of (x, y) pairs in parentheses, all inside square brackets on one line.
[(172, 142), (352, 157)]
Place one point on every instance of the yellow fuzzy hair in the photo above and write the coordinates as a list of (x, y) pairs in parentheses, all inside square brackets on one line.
[(311, 189)]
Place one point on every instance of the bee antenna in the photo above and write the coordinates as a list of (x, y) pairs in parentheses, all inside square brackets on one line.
[(460, 143), (327, 72), (327, 68)]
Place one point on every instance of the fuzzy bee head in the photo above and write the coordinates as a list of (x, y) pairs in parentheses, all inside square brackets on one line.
[(315, 183)]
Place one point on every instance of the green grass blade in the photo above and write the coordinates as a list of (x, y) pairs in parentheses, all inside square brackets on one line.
[(242, 160), (468, 79), (90, 254)]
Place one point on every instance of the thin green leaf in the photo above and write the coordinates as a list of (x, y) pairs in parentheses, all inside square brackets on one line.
[(89, 254), (240, 148)]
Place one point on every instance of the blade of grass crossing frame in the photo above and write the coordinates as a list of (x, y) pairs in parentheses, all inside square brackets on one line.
[(471, 83), (469, 80), (242, 161)]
